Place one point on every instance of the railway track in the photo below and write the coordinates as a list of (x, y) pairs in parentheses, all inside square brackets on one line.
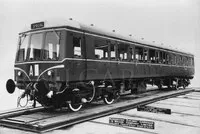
[(40, 120), (20, 111)]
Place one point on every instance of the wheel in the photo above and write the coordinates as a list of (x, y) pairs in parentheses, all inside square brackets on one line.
[(159, 86), (75, 107), (134, 91), (184, 86), (109, 99), (175, 87), (75, 104), (22, 100), (117, 94), (90, 99)]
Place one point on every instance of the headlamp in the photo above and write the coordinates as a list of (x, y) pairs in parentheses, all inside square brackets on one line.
[(49, 73), (19, 73)]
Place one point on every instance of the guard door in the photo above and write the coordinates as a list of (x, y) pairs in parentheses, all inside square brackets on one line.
[(79, 59)]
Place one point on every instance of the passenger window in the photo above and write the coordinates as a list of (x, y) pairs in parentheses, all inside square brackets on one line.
[(139, 53), (172, 58), (113, 50), (101, 48), (123, 50), (192, 61), (175, 60), (77, 47), (178, 60), (184, 61), (167, 58), (187, 61), (157, 57), (161, 57), (131, 54), (181, 60), (164, 58), (145, 55), (186, 58), (152, 56)]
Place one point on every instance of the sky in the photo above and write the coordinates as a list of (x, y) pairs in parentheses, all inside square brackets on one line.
[(174, 23)]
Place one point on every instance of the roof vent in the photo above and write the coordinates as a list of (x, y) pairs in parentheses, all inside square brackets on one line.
[(130, 35), (70, 19), (142, 38), (91, 24), (113, 30)]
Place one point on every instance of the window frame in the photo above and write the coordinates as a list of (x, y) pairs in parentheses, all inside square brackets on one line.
[(44, 43)]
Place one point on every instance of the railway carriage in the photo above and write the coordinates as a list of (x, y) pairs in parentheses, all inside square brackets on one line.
[(68, 64)]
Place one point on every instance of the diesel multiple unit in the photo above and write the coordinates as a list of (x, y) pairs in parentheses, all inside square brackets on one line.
[(69, 64)]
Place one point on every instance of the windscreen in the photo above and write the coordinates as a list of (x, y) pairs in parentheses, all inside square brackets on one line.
[(35, 46), (39, 46), (23, 47)]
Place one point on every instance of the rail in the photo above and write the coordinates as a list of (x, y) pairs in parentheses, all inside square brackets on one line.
[(39, 120)]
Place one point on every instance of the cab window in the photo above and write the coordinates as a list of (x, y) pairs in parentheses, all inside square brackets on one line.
[(36, 46), (52, 46), (23, 48)]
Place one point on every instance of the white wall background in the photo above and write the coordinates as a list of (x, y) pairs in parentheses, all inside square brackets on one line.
[(172, 22)]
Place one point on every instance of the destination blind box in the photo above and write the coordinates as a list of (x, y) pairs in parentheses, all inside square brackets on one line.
[(37, 25)]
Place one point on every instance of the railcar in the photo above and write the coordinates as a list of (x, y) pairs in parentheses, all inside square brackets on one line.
[(66, 63)]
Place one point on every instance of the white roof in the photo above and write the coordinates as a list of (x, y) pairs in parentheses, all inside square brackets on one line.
[(94, 29)]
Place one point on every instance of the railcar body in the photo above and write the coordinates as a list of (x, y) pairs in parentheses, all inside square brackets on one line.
[(69, 63)]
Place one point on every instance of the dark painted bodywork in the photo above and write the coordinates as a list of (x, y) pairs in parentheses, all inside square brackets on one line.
[(88, 68)]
